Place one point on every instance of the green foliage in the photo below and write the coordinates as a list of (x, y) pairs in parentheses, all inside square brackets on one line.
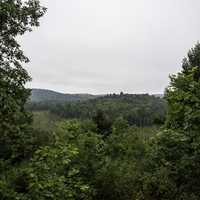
[(103, 123), (16, 18), (50, 174), (183, 98), (120, 125), (112, 166), (172, 166), (119, 177), (183, 94), (89, 143), (140, 110)]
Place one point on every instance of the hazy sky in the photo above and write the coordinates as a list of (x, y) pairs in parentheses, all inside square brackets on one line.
[(106, 46)]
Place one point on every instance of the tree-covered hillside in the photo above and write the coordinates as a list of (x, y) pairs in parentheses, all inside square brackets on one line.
[(42, 95), (136, 109)]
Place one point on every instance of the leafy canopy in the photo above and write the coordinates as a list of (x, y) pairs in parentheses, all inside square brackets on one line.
[(172, 165), (16, 18), (183, 94)]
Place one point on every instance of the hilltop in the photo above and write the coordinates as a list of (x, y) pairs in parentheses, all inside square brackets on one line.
[(43, 95)]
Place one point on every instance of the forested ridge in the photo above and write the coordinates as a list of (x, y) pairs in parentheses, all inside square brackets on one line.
[(44, 95), (136, 109), (115, 147)]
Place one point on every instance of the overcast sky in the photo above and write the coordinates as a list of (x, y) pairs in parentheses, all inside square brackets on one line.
[(106, 46)]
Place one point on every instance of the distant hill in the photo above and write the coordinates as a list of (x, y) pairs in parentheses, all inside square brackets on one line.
[(43, 95)]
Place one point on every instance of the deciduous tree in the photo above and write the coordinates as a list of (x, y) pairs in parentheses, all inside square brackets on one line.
[(16, 18)]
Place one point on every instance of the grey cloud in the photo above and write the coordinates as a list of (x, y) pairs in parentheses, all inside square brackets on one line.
[(111, 45)]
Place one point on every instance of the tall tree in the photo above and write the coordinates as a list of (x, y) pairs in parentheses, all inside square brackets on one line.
[(183, 94), (174, 160), (16, 18)]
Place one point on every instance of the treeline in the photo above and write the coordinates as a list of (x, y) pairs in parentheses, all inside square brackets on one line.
[(137, 109)]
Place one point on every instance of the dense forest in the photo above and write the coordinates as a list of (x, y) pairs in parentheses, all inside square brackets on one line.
[(139, 109), (114, 147)]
